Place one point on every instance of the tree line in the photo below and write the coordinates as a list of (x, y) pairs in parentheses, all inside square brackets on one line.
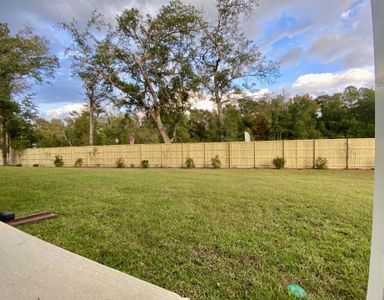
[(349, 114), (150, 69)]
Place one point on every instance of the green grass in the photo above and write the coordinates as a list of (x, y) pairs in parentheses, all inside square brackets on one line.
[(208, 234)]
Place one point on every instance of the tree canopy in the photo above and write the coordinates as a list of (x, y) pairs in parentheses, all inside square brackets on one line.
[(24, 58), (147, 59), (152, 68)]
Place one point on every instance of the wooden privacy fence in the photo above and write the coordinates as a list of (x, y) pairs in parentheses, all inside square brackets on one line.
[(300, 154)]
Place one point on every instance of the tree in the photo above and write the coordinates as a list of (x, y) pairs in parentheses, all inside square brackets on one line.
[(148, 59), (227, 57), (333, 121), (303, 112), (347, 114), (233, 124), (24, 58), (97, 92), (75, 131), (202, 126), (363, 114), (50, 133), (123, 126), (266, 118)]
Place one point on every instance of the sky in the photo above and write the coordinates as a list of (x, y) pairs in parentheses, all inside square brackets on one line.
[(323, 46)]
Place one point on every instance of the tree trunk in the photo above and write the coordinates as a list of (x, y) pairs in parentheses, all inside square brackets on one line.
[(3, 142), (91, 123), (160, 126), (8, 152), (220, 114)]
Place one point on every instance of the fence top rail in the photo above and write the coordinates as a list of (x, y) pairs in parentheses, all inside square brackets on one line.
[(200, 143)]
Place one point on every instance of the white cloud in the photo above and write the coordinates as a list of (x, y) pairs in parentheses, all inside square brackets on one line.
[(332, 82), (345, 15), (205, 103), (62, 112)]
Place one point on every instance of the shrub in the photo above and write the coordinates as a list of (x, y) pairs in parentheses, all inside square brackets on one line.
[(216, 163), (78, 163), (120, 163), (279, 162), (19, 165), (35, 165), (321, 163), (144, 164), (58, 162), (132, 166), (189, 163)]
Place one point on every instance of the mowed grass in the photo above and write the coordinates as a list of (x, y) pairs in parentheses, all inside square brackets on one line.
[(208, 234)]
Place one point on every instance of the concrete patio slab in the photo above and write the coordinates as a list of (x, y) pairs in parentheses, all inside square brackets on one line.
[(34, 269)]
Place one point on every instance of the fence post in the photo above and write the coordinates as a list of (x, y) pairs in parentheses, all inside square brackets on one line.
[(254, 154), (182, 154), (347, 155), (141, 153), (230, 154), (283, 148), (204, 154), (314, 153), (161, 154)]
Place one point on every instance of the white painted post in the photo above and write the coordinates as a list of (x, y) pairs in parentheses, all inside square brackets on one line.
[(376, 270)]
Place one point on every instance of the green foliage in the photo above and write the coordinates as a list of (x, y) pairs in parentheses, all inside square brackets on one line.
[(50, 133), (78, 163), (226, 56), (279, 162), (132, 166), (144, 164), (216, 163), (302, 111), (24, 59), (35, 165), (154, 68), (321, 163), (19, 165), (189, 163), (120, 163), (58, 162)]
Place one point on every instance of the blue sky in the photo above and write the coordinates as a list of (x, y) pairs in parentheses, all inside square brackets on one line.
[(323, 46)]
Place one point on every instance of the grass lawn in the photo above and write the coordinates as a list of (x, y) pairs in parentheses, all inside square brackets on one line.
[(208, 234)]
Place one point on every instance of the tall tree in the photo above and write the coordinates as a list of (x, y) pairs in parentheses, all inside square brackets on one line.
[(97, 93), (303, 112), (148, 59), (24, 57), (50, 133), (334, 119), (227, 56), (364, 113)]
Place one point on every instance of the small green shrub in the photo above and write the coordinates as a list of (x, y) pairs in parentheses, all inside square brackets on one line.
[(132, 166), (19, 165), (35, 165), (321, 163), (279, 162), (120, 163), (189, 163), (216, 163), (144, 164), (58, 162), (78, 163)]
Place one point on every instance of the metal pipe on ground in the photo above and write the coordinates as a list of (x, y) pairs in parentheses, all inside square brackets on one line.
[(9, 218)]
